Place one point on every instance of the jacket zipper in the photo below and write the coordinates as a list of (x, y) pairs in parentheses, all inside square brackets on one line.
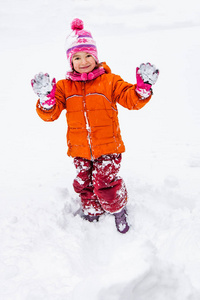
[(88, 128)]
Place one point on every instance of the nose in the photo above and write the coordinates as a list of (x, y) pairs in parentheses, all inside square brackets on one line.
[(84, 61)]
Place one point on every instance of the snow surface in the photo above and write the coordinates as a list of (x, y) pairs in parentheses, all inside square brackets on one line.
[(47, 251)]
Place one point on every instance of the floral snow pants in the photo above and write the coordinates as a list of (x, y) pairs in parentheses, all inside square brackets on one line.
[(99, 186)]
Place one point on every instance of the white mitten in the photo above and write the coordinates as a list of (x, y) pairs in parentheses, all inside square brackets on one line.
[(149, 73), (44, 89)]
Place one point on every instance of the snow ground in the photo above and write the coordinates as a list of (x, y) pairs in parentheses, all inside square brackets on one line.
[(48, 253)]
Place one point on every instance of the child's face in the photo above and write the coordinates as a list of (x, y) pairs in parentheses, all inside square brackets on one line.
[(83, 62)]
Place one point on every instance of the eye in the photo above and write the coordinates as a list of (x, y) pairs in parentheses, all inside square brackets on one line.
[(88, 55)]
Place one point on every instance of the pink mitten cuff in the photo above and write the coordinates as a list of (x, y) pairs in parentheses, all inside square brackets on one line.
[(49, 100), (142, 89), (143, 93), (47, 103)]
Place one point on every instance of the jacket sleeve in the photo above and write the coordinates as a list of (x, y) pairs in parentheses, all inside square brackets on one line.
[(53, 113), (124, 93)]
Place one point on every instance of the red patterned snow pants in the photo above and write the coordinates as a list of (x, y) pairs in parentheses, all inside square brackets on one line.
[(99, 186)]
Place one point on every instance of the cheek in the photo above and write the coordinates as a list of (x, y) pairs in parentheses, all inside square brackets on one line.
[(75, 64), (93, 62)]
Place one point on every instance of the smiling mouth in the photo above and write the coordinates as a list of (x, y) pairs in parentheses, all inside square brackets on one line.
[(84, 67)]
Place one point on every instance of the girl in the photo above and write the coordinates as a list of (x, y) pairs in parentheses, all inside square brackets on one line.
[(90, 94)]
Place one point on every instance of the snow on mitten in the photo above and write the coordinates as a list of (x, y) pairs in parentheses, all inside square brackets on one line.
[(44, 89), (146, 75)]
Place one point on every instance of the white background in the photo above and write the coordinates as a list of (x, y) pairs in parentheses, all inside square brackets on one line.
[(45, 251)]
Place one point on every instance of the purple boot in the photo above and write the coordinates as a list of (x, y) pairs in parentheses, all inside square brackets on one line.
[(91, 218), (121, 221)]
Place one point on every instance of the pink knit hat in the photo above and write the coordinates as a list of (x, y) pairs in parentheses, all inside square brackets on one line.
[(80, 40)]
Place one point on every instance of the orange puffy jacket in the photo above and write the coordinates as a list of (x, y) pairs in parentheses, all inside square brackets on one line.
[(91, 112)]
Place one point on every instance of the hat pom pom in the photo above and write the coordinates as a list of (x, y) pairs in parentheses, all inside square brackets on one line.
[(77, 24)]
